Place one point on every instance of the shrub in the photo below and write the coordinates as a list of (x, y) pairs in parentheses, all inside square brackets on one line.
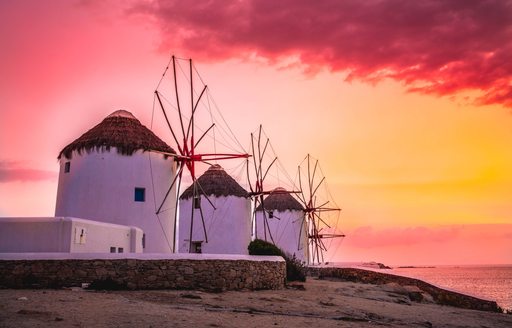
[(261, 247), (295, 269)]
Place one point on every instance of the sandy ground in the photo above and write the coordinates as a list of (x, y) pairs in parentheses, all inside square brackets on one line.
[(321, 304)]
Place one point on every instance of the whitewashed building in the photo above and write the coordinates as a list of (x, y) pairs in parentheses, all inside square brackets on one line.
[(67, 235), (114, 173), (227, 225), (284, 223)]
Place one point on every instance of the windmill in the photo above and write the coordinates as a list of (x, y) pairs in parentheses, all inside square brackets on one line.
[(264, 162), (197, 138), (319, 209)]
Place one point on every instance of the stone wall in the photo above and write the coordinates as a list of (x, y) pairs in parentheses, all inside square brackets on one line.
[(129, 273), (440, 296)]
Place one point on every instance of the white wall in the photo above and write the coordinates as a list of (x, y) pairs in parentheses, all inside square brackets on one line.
[(228, 226), (285, 232), (34, 235), (100, 237), (101, 185), (64, 234)]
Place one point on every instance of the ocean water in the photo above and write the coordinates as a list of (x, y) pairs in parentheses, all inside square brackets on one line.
[(488, 282)]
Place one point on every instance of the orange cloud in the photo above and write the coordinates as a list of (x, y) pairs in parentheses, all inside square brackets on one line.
[(368, 237), (451, 244)]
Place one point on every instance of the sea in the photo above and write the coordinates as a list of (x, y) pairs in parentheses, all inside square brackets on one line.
[(490, 282)]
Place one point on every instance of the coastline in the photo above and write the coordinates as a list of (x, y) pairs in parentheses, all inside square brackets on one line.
[(419, 288)]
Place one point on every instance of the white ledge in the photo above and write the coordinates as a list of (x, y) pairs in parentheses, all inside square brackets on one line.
[(136, 256)]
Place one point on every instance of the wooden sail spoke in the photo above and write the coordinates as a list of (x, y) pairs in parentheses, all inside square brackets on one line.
[(320, 219), (176, 178), (204, 134), (168, 123)]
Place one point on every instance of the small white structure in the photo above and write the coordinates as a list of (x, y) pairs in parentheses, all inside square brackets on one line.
[(284, 222), (227, 226), (67, 235), (114, 174)]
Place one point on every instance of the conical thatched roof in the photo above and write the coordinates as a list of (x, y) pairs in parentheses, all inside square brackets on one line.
[(121, 130), (215, 181), (280, 200)]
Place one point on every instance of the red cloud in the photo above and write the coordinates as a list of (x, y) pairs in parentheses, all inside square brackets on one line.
[(11, 172), (434, 47)]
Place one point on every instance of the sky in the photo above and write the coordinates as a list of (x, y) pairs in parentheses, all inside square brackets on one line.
[(406, 104)]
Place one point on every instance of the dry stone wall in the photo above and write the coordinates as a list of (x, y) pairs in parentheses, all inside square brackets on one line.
[(210, 275)]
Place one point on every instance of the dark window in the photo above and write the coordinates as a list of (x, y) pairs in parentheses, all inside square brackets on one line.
[(112, 249), (197, 201), (140, 194), (196, 247), (67, 167), (120, 249), (143, 240), (270, 214)]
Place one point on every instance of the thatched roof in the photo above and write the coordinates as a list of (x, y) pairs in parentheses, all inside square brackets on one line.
[(280, 200), (121, 130), (215, 181)]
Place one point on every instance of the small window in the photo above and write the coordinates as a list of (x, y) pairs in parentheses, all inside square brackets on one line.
[(120, 250), (270, 214), (112, 249), (80, 235), (67, 167), (140, 194), (143, 240), (197, 202), (196, 247)]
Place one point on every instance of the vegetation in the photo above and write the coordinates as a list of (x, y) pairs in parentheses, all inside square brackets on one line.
[(295, 269)]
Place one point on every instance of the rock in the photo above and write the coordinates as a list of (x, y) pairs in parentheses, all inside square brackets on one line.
[(191, 296), (23, 298), (415, 296), (296, 286)]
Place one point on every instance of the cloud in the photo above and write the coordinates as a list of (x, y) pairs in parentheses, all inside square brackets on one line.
[(14, 172), (433, 47), (427, 245), (367, 237)]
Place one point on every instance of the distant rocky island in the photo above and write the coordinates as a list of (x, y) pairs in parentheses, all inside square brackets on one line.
[(375, 265)]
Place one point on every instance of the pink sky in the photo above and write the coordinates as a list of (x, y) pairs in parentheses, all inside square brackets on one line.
[(407, 104)]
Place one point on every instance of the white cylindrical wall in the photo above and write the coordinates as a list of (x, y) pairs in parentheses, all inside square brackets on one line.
[(285, 228), (228, 226), (100, 185)]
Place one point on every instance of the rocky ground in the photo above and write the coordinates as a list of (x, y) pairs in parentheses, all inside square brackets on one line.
[(319, 303)]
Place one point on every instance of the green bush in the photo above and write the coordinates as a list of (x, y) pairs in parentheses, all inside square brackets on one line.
[(295, 269), (261, 247)]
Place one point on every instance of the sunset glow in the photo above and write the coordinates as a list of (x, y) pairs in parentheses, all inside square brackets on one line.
[(407, 104)]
